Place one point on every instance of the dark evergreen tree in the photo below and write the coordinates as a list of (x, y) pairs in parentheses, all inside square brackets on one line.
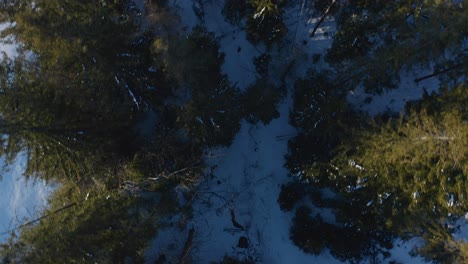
[(211, 112), (323, 117), (83, 227), (409, 174), (378, 39)]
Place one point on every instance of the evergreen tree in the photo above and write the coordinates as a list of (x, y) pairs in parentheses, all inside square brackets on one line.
[(410, 173), (79, 51), (323, 117), (211, 113), (261, 100), (85, 227), (265, 23), (378, 39), (264, 18)]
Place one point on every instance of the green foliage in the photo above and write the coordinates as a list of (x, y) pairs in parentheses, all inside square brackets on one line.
[(164, 162), (213, 119), (318, 103), (262, 64), (347, 243), (197, 54), (306, 231), (265, 22), (445, 101), (323, 117), (98, 226), (261, 100), (290, 194), (264, 18), (212, 114), (440, 247), (235, 10), (378, 39), (69, 103), (409, 174), (424, 158), (79, 75), (400, 177)]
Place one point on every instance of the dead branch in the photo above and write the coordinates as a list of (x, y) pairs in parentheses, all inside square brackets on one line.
[(39, 219), (435, 73), (187, 246), (327, 12), (234, 222)]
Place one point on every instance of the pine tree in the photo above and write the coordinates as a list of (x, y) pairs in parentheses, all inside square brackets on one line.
[(212, 111), (82, 227), (409, 173), (378, 39)]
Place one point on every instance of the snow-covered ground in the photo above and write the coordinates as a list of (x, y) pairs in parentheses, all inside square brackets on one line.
[(248, 178), (394, 100), (461, 229), (7, 46), (237, 204), (20, 199)]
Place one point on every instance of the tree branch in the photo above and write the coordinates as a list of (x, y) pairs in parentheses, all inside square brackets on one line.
[(435, 73), (187, 246), (327, 12)]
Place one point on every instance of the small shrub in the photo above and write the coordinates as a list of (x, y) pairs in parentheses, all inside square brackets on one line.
[(351, 40), (266, 21), (290, 194), (262, 63), (235, 10), (261, 101), (316, 57), (306, 231)]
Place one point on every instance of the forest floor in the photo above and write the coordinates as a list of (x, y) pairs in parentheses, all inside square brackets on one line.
[(235, 208)]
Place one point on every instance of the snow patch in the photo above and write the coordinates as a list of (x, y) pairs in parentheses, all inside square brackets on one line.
[(8, 45), (21, 199), (394, 100)]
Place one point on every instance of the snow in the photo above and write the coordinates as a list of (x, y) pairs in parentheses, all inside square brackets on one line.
[(394, 100), (7, 46), (260, 13), (239, 197), (401, 249), (461, 232), (250, 174), (135, 101), (20, 199), (188, 18), (239, 52)]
